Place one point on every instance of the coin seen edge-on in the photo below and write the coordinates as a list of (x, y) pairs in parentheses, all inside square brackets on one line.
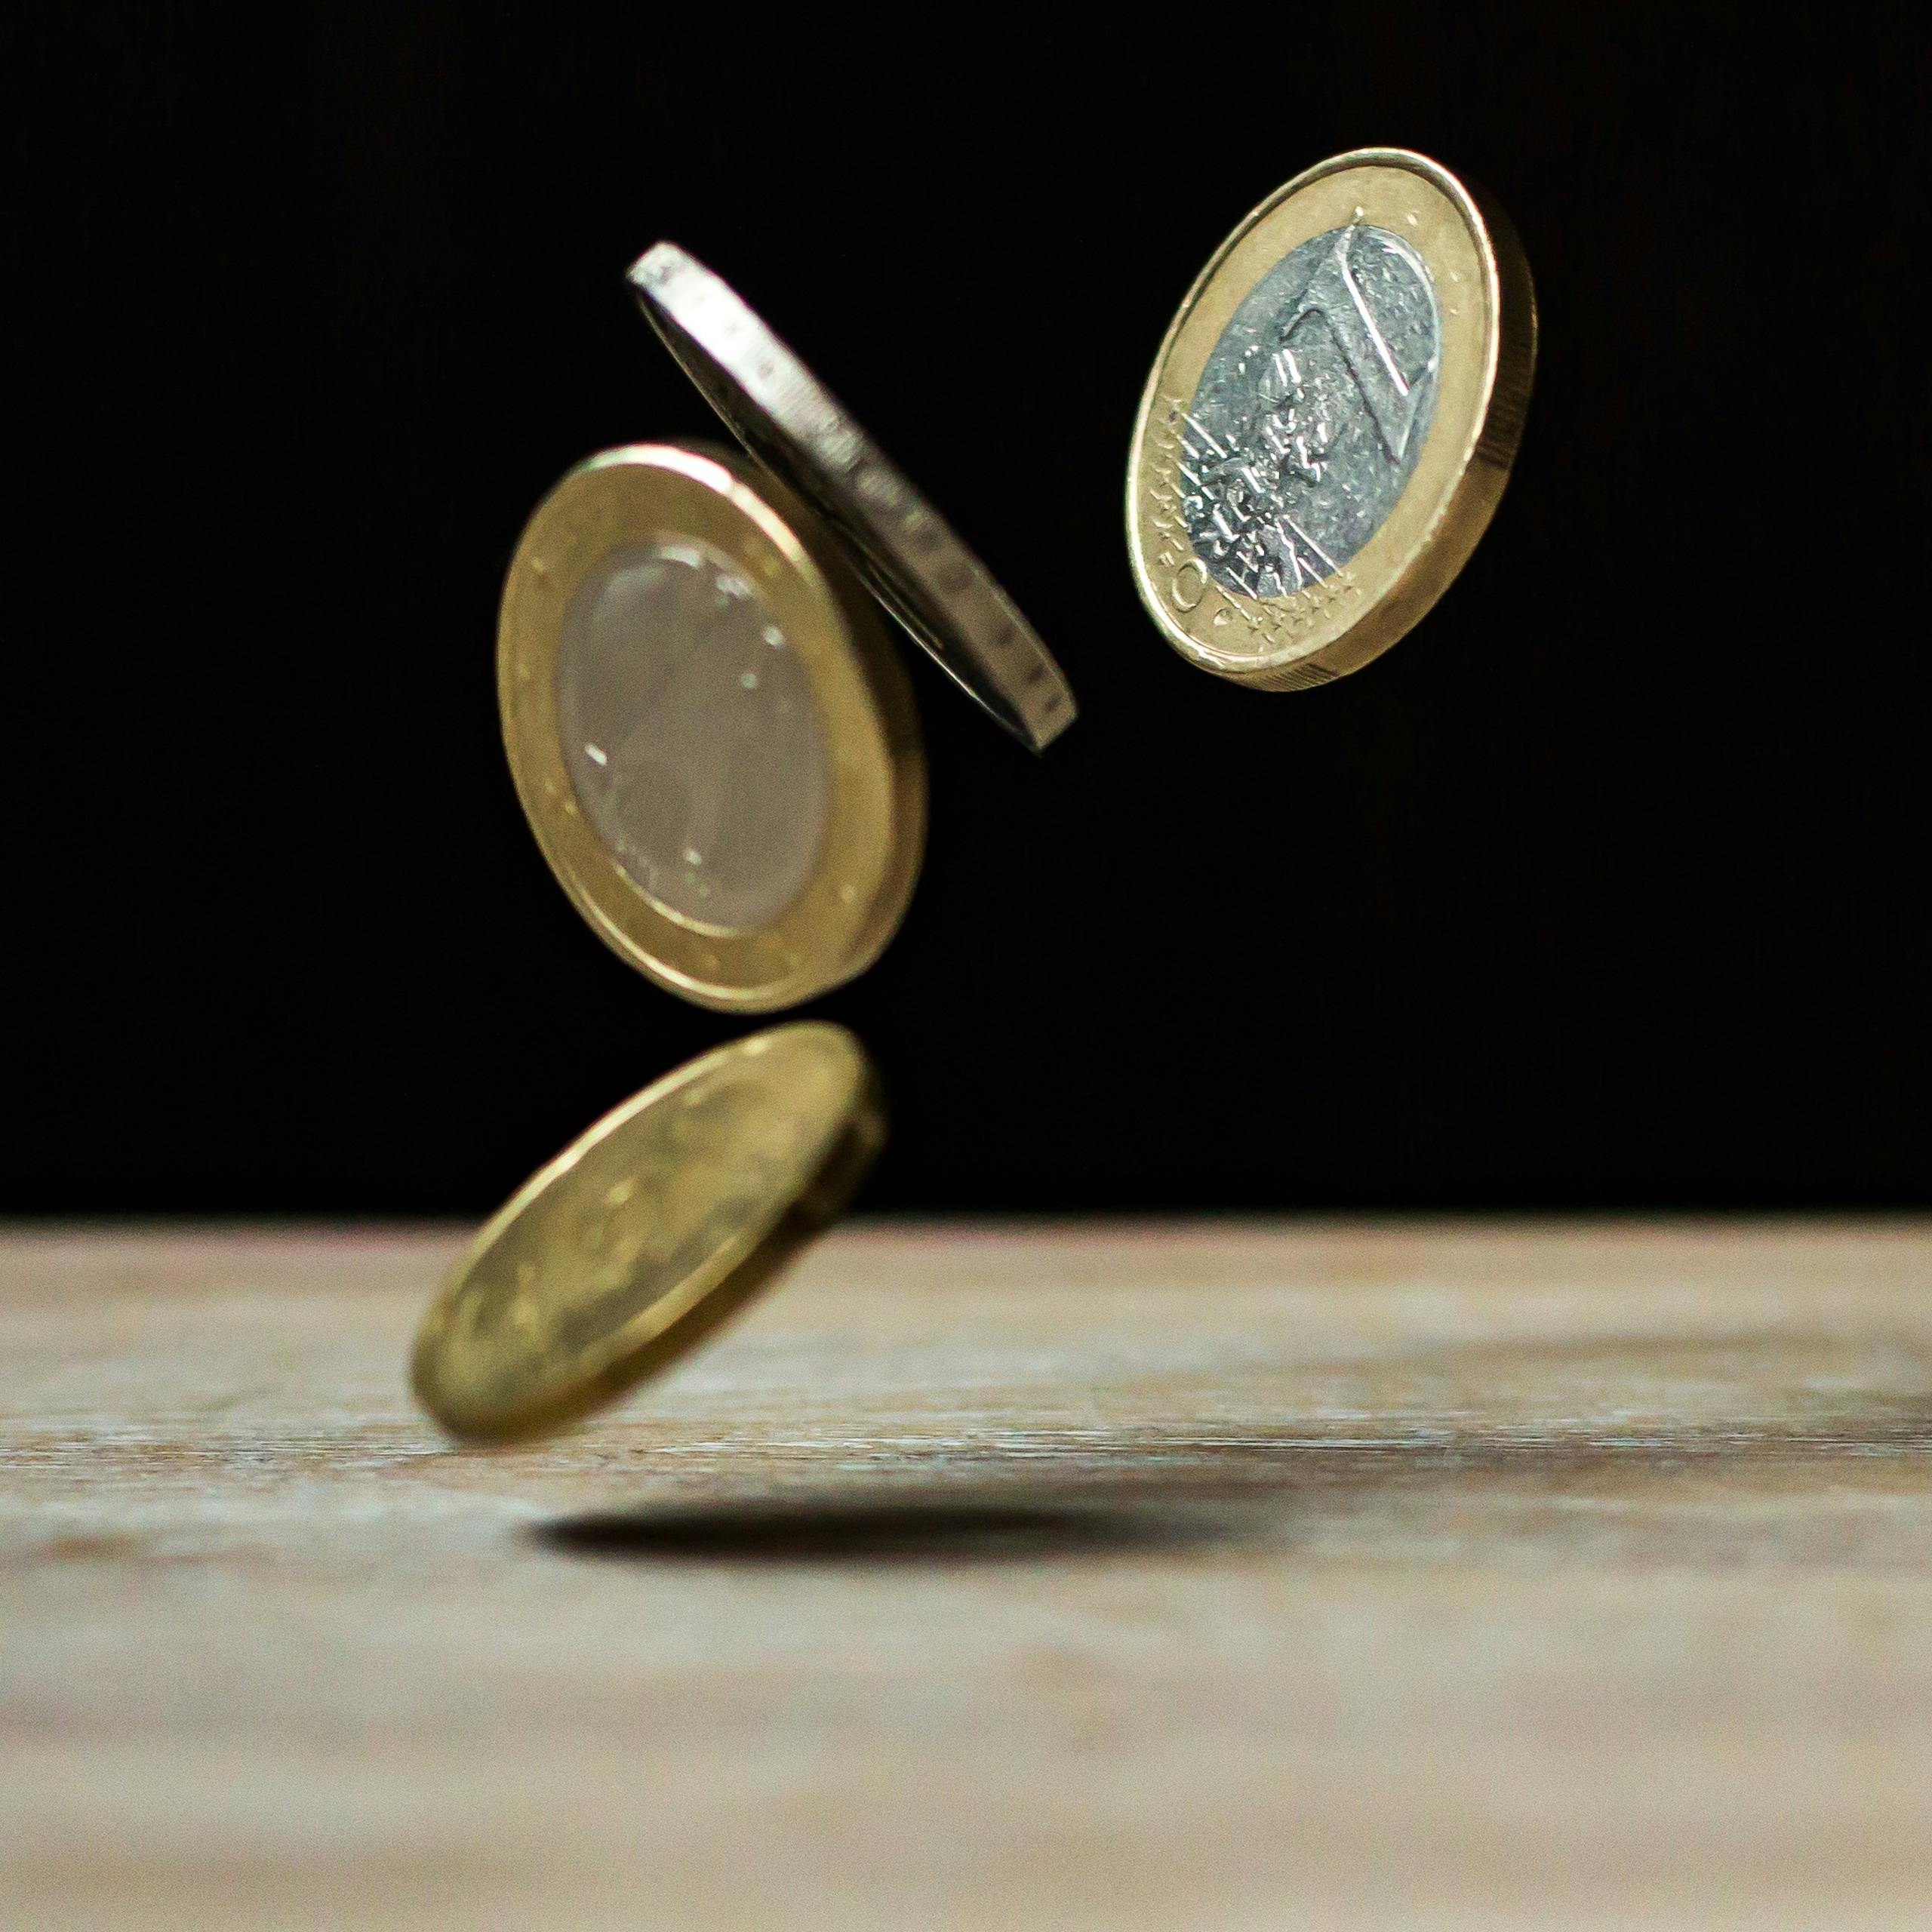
[(937, 588)]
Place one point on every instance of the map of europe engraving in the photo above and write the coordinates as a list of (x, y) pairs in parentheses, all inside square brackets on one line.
[(1310, 412)]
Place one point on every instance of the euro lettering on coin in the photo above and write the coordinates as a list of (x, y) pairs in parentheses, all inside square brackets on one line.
[(1330, 421)]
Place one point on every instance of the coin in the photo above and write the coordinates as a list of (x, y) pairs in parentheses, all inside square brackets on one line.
[(923, 573), (1330, 420), (638, 1239), (713, 743)]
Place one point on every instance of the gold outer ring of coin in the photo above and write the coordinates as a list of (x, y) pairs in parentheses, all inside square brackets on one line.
[(875, 826), (1340, 621), (658, 1223)]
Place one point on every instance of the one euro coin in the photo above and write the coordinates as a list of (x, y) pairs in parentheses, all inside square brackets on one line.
[(1330, 422)]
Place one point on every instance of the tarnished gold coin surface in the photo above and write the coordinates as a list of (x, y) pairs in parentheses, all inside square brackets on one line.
[(710, 737), (660, 1220), (1330, 421)]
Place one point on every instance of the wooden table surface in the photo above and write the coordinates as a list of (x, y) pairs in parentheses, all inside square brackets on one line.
[(1168, 1577)]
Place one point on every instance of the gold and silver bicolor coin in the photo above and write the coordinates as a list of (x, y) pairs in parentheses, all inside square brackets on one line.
[(658, 1223), (1330, 421), (714, 745)]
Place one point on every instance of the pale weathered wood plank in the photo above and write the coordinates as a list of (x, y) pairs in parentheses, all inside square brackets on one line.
[(1192, 1576)]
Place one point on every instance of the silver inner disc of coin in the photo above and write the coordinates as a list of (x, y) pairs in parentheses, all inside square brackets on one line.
[(689, 728), (1311, 411)]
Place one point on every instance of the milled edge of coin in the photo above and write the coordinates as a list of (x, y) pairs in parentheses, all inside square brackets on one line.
[(1480, 469), (875, 837), (919, 569), (678, 1321)]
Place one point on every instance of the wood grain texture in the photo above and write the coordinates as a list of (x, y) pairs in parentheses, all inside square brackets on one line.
[(1107, 1577)]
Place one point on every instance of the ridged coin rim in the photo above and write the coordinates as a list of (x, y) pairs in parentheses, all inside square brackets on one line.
[(917, 566)]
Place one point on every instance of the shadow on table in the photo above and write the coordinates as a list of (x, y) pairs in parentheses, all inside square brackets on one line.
[(912, 1530), (1708, 1490), (1698, 1450)]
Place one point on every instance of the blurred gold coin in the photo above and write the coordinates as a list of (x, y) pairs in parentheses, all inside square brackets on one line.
[(1330, 421), (639, 1239), (710, 737)]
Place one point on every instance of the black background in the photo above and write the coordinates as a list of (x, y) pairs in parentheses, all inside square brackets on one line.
[(1606, 887)]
